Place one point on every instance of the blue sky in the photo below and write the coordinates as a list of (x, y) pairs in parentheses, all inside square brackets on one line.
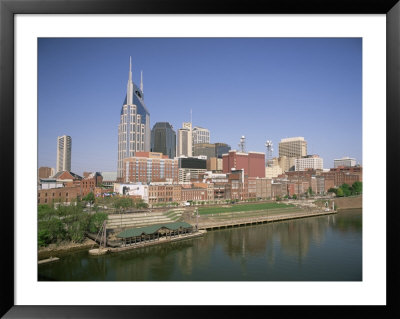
[(263, 88)]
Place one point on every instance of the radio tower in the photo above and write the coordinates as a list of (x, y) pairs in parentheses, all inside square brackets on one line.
[(242, 144), (268, 145)]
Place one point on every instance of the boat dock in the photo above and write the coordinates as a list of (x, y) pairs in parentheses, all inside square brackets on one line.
[(48, 260), (157, 241)]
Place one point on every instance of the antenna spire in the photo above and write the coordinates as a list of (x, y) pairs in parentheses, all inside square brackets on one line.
[(129, 87), (141, 81), (130, 69)]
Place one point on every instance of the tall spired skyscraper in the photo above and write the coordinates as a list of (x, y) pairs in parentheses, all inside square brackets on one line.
[(134, 125)]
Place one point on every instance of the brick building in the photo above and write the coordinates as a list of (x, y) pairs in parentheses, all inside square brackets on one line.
[(263, 188), (165, 193), (63, 195), (253, 163), (90, 182), (342, 175), (45, 172), (147, 167), (194, 194)]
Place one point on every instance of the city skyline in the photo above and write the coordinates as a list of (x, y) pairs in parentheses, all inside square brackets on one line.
[(262, 88)]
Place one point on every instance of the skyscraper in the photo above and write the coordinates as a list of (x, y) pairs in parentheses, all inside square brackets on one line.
[(163, 139), (134, 125), (184, 143), (64, 144), (293, 147), (221, 148)]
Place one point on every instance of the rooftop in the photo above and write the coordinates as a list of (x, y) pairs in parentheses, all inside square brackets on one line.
[(151, 229)]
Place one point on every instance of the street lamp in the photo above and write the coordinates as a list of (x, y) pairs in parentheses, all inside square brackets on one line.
[(197, 219)]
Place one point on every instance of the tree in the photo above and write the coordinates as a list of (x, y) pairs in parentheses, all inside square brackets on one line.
[(332, 190), (357, 187), (122, 203), (346, 189), (141, 204), (294, 196), (89, 198), (339, 192), (96, 221)]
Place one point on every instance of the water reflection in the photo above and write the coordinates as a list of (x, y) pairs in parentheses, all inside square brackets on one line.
[(305, 249)]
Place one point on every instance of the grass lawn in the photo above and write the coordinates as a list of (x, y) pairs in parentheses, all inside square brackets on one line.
[(242, 208)]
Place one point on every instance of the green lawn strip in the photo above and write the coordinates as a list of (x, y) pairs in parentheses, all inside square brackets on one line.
[(256, 214), (173, 215), (243, 208)]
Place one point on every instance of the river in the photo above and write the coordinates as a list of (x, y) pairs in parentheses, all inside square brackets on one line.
[(325, 248)]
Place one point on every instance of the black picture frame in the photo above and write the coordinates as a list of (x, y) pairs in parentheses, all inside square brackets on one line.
[(8, 8)]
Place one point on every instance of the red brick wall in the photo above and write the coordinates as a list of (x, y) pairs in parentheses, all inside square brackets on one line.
[(256, 165), (63, 194)]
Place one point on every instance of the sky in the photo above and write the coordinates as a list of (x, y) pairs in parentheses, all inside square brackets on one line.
[(262, 88)]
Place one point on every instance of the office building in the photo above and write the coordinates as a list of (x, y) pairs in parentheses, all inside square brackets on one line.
[(163, 139), (184, 140), (221, 148), (134, 126), (344, 162), (309, 162), (273, 171), (200, 135), (191, 168), (293, 147), (64, 144), (214, 164), (205, 149)]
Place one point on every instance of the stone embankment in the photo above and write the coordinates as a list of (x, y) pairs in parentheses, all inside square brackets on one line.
[(342, 203)]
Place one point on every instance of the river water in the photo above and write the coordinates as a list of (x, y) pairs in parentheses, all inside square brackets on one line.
[(326, 248)]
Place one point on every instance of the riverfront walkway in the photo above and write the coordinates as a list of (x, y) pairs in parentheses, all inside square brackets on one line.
[(218, 224)]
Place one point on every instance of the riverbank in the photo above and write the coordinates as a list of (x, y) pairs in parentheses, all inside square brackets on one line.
[(54, 250), (212, 220), (343, 203)]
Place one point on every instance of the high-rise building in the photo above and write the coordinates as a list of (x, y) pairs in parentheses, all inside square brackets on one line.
[(293, 147), (184, 140), (221, 148), (344, 161), (204, 149), (200, 135), (134, 125), (163, 139), (64, 144)]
